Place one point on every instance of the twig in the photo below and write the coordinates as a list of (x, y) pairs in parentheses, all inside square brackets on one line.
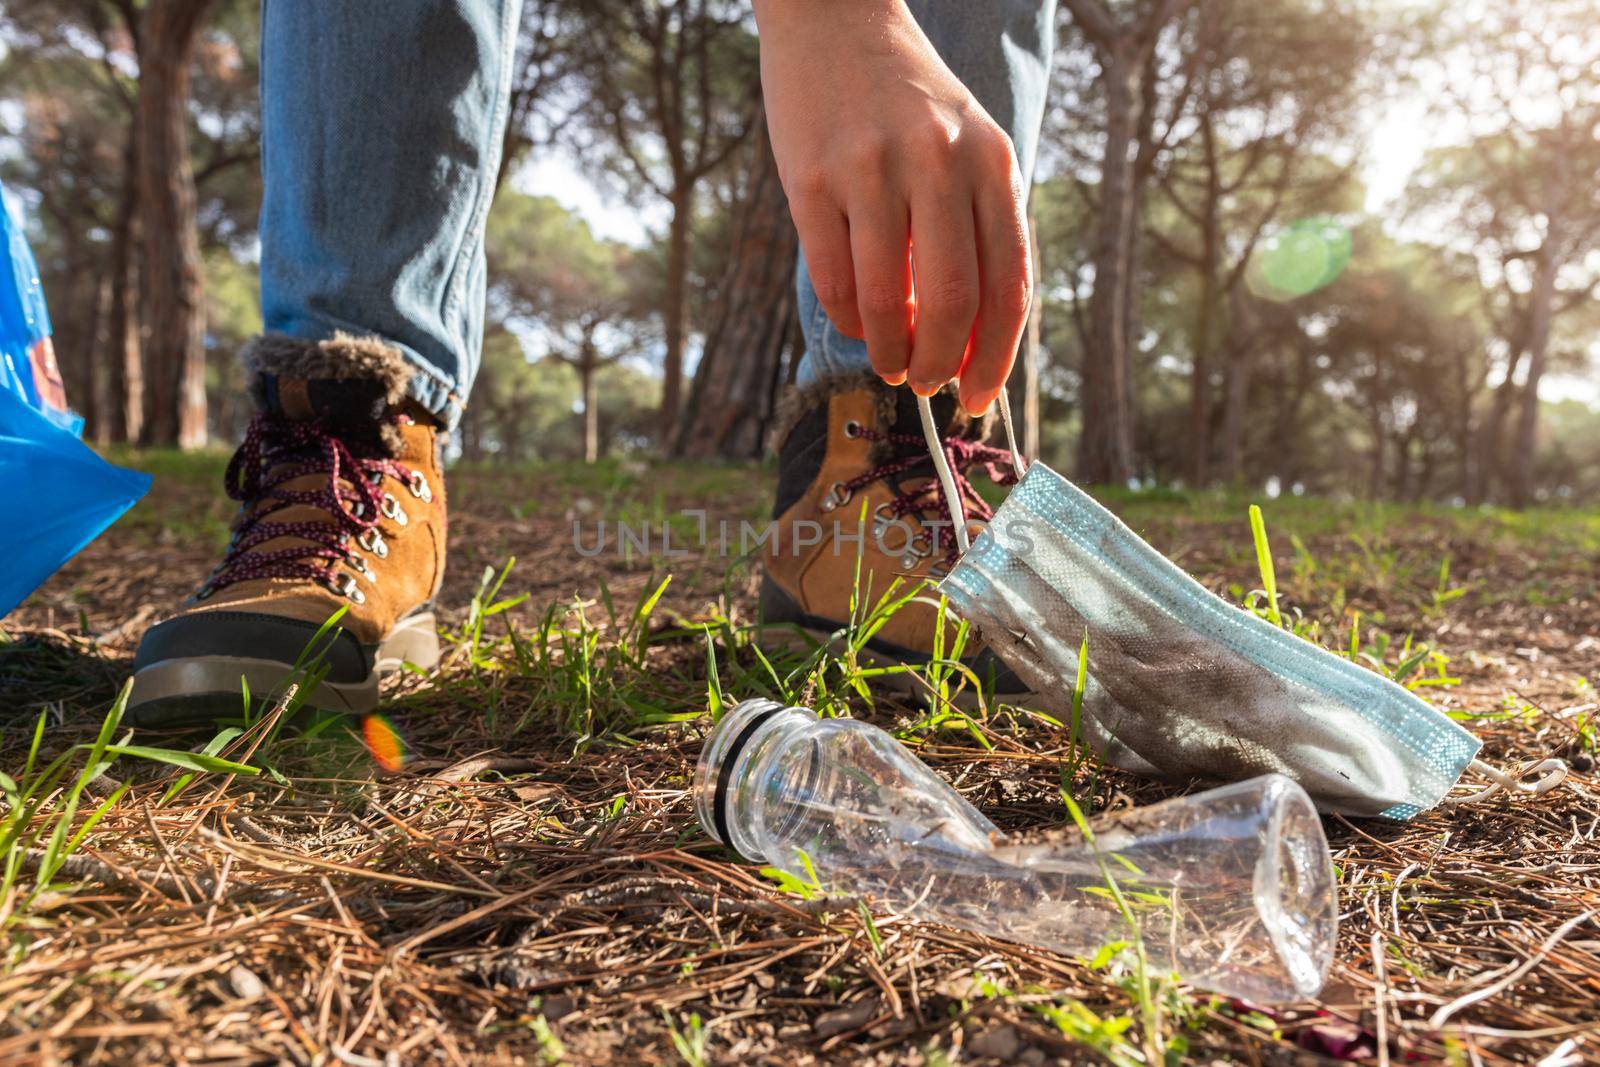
[(126, 627), (255, 831), (1441, 1016), (467, 770), (642, 891), (1379, 1009), (89, 868)]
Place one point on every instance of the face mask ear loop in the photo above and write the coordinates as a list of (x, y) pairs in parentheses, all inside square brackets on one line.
[(947, 480), (1552, 772), (1018, 464)]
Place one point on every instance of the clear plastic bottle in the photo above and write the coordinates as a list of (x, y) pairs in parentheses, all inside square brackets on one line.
[(1232, 889)]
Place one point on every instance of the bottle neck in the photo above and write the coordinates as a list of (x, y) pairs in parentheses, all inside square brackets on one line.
[(743, 740)]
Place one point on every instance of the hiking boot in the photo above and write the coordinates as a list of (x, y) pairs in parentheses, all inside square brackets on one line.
[(854, 441), (341, 505)]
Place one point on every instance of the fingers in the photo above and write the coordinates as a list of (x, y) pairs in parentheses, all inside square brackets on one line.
[(825, 237), (1005, 269), (925, 257), (944, 254), (879, 245)]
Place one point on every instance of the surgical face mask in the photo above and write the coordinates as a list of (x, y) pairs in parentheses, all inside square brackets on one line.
[(1180, 683)]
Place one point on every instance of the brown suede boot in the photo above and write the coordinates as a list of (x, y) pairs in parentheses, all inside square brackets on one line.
[(851, 440), (341, 506)]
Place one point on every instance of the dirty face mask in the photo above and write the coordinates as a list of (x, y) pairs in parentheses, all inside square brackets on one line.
[(1182, 684)]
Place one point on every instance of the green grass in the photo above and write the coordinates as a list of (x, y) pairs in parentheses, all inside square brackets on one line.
[(185, 504), (1413, 664), (688, 1040), (603, 671), (599, 677), (1144, 985), (606, 673), (46, 819)]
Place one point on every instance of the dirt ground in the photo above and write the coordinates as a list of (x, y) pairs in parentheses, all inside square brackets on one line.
[(529, 885)]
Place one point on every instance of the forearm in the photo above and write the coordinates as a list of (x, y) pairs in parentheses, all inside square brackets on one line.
[(776, 14)]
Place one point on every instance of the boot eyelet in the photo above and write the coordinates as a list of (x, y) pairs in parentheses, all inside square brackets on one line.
[(391, 508), (204, 593), (852, 428), (418, 484), (359, 565), (371, 540), (838, 496), (349, 590)]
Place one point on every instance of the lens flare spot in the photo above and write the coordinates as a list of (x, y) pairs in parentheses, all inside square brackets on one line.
[(384, 742), (1301, 258)]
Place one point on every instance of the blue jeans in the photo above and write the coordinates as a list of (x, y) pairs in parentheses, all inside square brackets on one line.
[(382, 124)]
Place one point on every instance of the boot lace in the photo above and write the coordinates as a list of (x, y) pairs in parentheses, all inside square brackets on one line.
[(962, 455), (277, 451)]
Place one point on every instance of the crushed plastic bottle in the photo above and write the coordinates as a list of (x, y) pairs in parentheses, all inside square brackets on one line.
[(1231, 889)]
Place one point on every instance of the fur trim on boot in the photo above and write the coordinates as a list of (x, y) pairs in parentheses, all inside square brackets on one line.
[(342, 357), (351, 383)]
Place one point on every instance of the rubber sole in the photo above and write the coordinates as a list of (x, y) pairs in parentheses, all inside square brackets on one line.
[(192, 690)]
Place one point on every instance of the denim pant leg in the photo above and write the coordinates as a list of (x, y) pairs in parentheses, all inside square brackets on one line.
[(381, 138), (1000, 49)]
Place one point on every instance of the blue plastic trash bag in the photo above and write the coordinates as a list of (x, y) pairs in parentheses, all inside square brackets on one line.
[(56, 495), (27, 359)]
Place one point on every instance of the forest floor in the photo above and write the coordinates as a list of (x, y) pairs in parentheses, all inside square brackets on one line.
[(509, 869)]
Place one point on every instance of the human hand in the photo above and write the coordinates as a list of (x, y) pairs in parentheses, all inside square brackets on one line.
[(905, 193)]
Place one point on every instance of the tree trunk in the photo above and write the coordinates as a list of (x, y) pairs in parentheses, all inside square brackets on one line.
[(1237, 370), (743, 366), (1427, 469), (677, 311), (1205, 313), (94, 401), (1487, 462), (1200, 378), (588, 365), (1379, 442), (1236, 403), (107, 400), (124, 419), (472, 434), (74, 331), (1285, 449), (1461, 422), (1541, 310), (174, 351), (1402, 465), (1380, 438), (1105, 450)]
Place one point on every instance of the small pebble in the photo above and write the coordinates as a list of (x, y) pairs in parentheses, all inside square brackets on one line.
[(246, 986), (1002, 1044), (852, 1016)]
